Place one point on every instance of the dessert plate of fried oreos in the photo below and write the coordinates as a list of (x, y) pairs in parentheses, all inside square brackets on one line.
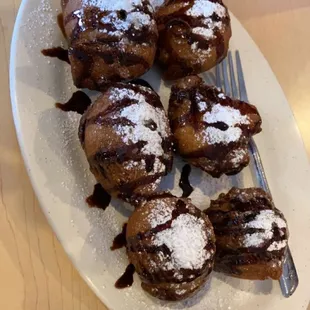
[(142, 166)]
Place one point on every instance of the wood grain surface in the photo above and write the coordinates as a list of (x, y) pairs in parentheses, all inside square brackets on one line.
[(35, 273)]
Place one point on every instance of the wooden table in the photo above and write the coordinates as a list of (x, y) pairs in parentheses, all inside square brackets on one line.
[(35, 271)]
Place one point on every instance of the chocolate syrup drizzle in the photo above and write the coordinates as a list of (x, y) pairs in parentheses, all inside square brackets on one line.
[(120, 240), (60, 22), (181, 208), (79, 102), (140, 243), (126, 279), (194, 118), (105, 46), (230, 221), (57, 52), (127, 152), (99, 198), (179, 25), (184, 181)]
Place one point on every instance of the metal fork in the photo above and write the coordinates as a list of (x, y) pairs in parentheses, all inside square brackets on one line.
[(225, 79)]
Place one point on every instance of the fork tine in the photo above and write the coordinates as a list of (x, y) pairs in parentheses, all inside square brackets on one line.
[(208, 79), (212, 77), (242, 87), (234, 88), (225, 76), (218, 76)]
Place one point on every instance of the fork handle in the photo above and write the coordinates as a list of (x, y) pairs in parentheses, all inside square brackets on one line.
[(289, 279)]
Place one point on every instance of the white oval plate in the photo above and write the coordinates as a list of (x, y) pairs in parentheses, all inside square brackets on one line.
[(60, 176)]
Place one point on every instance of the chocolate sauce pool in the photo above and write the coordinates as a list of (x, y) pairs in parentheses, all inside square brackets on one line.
[(184, 181), (100, 198), (126, 279), (79, 102), (120, 240), (57, 52)]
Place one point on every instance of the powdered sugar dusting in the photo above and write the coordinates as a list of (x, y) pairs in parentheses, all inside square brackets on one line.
[(257, 239), (141, 113), (205, 32), (155, 184), (134, 18), (186, 240), (202, 106), (114, 5), (180, 292), (214, 135), (228, 115), (135, 164), (206, 8), (276, 246), (160, 213), (265, 220), (203, 52), (238, 155), (158, 166)]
